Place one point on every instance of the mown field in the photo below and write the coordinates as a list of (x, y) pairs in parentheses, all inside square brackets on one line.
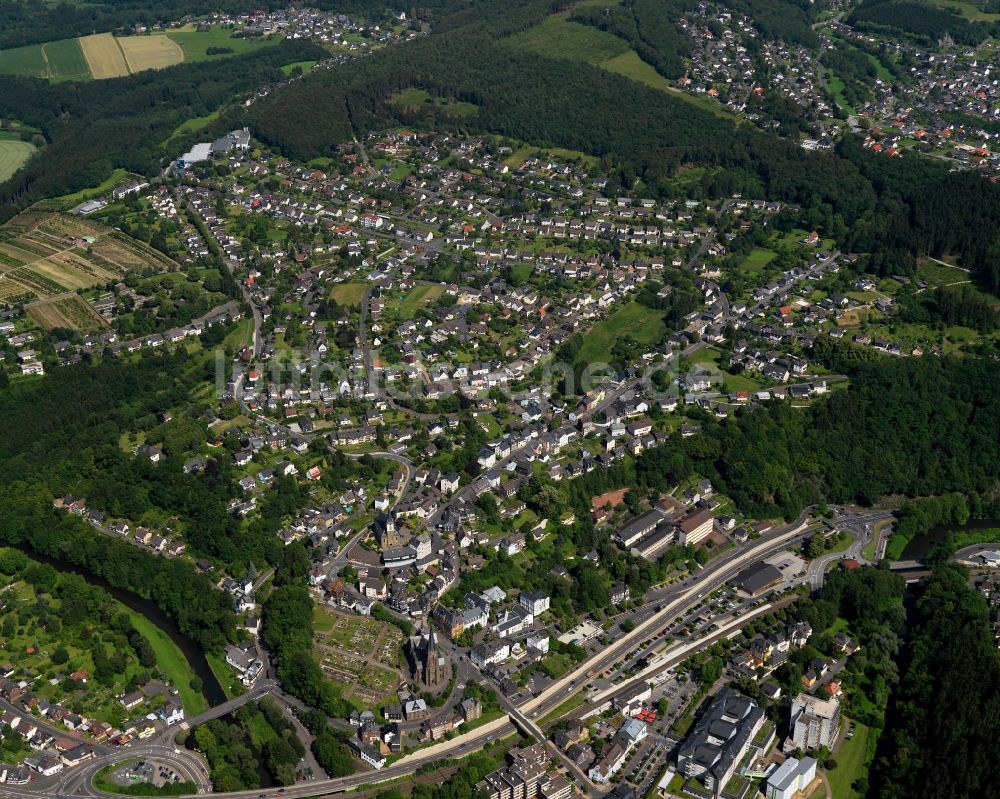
[(14, 153), (348, 293), (104, 56), (150, 52)]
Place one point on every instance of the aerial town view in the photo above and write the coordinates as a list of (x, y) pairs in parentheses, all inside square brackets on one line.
[(474, 400)]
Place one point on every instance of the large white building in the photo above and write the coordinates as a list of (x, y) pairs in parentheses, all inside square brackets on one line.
[(790, 777), (815, 721)]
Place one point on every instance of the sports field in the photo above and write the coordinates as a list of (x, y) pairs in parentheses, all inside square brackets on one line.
[(150, 52), (14, 153), (104, 56)]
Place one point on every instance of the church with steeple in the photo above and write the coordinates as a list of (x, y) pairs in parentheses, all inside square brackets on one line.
[(431, 666)]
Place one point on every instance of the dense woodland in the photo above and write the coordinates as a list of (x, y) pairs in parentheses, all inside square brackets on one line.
[(943, 725), (256, 734), (62, 437), (288, 635), (923, 22)]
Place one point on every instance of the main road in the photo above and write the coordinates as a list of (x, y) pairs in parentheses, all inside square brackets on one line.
[(684, 597)]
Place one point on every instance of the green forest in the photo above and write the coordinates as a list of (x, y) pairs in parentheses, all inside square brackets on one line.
[(942, 731), (61, 437), (256, 734), (921, 21)]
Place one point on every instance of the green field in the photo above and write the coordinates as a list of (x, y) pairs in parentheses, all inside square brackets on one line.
[(28, 61), (852, 762), (519, 156), (348, 293), (418, 297), (837, 90), (195, 43), (305, 66), (557, 37), (58, 60), (970, 11), (758, 259), (69, 200), (643, 324), (195, 124), (65, 60), (413, 99), (881, 71), (14, 153)]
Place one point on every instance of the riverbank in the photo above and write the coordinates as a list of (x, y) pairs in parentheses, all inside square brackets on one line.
[(171, 661), (182, 648), (944, 540)]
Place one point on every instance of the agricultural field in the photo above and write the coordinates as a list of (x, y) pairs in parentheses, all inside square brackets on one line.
[(58, 60), (359, 653), (349, 294), (71, 312), (65, 60), (150, 52), (46, 255), (104, 56), (643, 324), (14, 154)]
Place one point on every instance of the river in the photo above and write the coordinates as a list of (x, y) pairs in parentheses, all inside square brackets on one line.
[(920, 545), (211, 688)]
